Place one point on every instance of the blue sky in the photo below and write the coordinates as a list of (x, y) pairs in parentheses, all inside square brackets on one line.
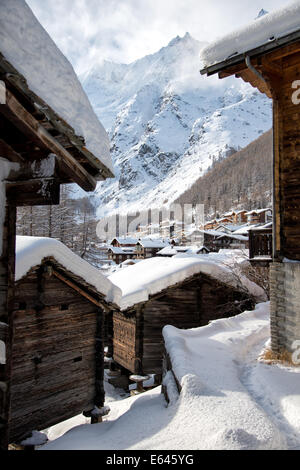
[(88, 31)]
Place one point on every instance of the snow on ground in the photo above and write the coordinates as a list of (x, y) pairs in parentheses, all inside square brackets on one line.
[(229, 400), (152, 275), (261, 31), (29, 48), (30, 251)]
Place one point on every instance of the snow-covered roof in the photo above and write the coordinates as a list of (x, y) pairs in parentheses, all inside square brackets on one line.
[(213, 233), (153, 275), (121, 250), (125, 240), (152, 243), (30, 252), (30, 50), (168, 251), (233, 236), (244, 229), (266, 29), (229, 227), (259, 211)]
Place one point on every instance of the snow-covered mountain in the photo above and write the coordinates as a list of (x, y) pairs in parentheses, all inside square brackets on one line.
[(167, 123)]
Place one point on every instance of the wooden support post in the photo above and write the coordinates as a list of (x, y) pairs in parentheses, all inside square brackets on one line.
[(99, 361), (7, 276)]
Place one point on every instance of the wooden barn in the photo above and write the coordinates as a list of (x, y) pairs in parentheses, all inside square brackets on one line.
[(185, 291), (49, 135), (267, 55), (57, 359)]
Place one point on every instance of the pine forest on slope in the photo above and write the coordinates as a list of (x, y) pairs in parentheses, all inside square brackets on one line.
[(240, 181)]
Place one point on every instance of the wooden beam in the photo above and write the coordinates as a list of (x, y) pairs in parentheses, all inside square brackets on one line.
[(28, 125), (6, 151), (33, 170), (283, 52), (34, 192), (3, 331), (76, 288), (7, 281)]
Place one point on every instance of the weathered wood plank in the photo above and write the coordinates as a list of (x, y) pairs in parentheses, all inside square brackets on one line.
[(24, 121)]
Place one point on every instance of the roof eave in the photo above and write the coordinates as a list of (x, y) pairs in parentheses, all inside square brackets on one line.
[(17, 81), (263, 49)]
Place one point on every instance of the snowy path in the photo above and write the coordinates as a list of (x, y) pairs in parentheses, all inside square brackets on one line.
[(257, 379), (229, 400)]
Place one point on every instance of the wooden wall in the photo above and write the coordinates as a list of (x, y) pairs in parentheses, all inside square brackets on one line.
[(138, 340), (287, 158), (54, 371)]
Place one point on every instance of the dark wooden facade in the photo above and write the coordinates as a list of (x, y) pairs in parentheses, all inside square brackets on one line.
[(57, 352), (260, 245), (274, 69), (137, 337), (31, 132)]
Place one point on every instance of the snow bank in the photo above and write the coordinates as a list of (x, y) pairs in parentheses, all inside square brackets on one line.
[(30, 251), (206, 364), (261, 31), (153, 275), (29, 48)]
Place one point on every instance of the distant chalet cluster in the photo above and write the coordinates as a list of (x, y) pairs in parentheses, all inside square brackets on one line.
[(233, 230)]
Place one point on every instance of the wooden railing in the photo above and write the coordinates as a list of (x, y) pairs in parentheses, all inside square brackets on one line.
[(260, 244)]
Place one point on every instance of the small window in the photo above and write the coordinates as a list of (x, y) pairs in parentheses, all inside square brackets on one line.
[(64, 307)]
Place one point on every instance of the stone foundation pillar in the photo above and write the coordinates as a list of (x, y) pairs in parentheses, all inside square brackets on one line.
[(285, 305)]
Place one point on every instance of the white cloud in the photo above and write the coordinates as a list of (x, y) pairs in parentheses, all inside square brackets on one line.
[(88, 31)]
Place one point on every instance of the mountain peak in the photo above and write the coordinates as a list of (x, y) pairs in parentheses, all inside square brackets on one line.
[(262, 13), (178, 39)]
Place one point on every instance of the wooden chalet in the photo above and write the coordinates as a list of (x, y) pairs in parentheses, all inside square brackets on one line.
[(57, 359), (169, 291), (119, 255), (240, 217), (146, 248), (211, 239), (232, 241), (259, 216), (267, 55), (39, 147), (120, 242)]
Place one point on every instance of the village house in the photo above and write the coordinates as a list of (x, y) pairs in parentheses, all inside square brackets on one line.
[(233, 241), (240, 217), (57, 354), (266, 54), (147, 248), (185, 291), (194, 237), (119, 255), (228, 228), (259, 216), (211, 239), (120, 242), (49, 135)]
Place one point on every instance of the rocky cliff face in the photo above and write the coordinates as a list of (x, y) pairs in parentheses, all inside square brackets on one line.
[(167, 124)]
